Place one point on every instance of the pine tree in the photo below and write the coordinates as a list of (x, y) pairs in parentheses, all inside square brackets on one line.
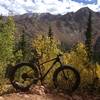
[(20, 49), (23, 45), (23, 48), (88, 35), (50, 33), (1, 23)]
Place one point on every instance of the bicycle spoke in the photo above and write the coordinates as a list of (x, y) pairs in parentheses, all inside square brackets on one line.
[(23, 76), (66, 79)]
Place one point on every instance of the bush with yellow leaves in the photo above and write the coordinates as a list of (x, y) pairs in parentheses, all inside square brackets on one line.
[(48, 48), (78, 57)]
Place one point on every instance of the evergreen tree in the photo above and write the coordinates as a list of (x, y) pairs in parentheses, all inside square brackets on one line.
[(1, 23), (23, 48), (88, 35), (20, 49), (50, 33)]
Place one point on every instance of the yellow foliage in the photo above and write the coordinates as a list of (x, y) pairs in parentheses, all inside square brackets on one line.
[(48, 48), (46, 45), (98, 70), (77, 56)]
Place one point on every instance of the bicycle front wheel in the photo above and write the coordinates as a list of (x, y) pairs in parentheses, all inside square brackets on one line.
[(23, 76), (66, 79)]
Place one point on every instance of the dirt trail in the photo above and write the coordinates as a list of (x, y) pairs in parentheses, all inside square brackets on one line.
[(42, 93), (19, 96), (24, 96)]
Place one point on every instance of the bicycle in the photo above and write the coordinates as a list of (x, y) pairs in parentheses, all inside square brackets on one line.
[(65, 74)]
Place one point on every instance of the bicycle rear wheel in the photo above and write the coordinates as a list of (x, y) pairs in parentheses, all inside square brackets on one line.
[(66, 79), (23, 76)]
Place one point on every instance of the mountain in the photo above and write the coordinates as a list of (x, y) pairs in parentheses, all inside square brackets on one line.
[(68, 28), (16, 7)]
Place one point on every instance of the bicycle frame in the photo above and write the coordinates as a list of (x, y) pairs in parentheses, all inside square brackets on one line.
[(57, 59)]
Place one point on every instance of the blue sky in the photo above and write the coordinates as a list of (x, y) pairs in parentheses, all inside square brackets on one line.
[(87, 1)]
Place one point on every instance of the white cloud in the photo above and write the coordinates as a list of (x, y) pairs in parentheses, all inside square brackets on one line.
[(42, 6)]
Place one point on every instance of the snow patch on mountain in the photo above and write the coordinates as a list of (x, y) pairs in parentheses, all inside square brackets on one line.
[(43, 6)]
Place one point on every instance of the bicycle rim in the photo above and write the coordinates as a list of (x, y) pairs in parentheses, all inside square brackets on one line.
[(24, 75), (66, 79)]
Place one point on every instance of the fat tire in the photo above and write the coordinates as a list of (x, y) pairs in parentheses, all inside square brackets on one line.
[(67, 67), (16, 86)]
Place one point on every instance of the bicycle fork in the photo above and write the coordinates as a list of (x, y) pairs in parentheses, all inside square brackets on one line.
[(63, 71)]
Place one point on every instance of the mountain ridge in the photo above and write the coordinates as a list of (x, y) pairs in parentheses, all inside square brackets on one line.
[(68, 28), (18, 7)]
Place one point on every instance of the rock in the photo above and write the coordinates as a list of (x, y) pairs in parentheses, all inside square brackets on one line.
[(68, 97), (61, 94), (40, 90), (1, 98), (96, 98), (26, 96), (77, 97)]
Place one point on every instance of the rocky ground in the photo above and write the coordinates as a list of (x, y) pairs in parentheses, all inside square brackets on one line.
[(40, 93), (24, 96)]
